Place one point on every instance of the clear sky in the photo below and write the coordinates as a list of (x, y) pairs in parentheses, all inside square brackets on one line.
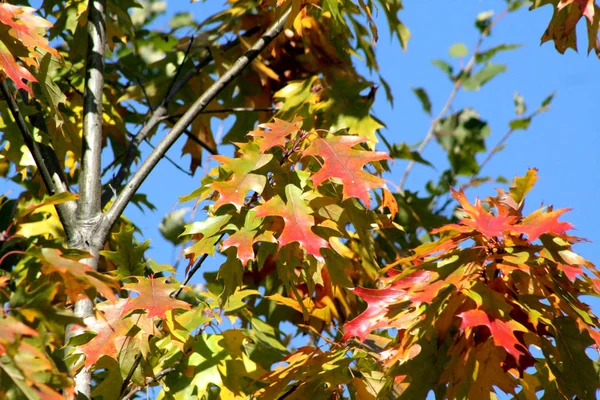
[(563, 143)]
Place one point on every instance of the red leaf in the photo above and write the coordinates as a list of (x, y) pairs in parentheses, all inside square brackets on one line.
[(245, 237), (154, 297), (586, 7), (276, 134), (24, 27), (14, 71), (346, 164), (502, 331), (379, 300), (297, 221), (243, 240), (482, 220), (570, 271), (538, 223)]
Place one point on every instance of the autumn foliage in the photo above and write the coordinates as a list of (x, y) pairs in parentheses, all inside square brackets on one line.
[(332, 281)]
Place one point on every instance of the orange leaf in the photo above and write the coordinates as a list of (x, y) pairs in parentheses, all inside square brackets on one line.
[(111, 332), (297, 221), (79, 279), (154, 296), (276, 134), (538, 223), (346, 164)]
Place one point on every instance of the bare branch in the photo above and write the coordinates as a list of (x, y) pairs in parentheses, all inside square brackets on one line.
[(457, 85), (230, 110), (178, 129), (169, 159), (159, 113), (51, 173), (499, 146)]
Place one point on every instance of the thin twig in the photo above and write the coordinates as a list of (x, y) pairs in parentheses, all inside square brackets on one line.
[(52, 175), (457, 85), (159, 113), (495, 150), (169, 159), (149, 381), (229, 110), (178, 129)]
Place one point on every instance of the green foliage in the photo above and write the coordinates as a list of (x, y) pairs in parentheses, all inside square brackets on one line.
[(390, 294)]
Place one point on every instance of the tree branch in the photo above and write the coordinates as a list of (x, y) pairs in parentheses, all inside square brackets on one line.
[(159, 114), (178, 129), (89, 212), (457, 85), (89, 182), (51, 173)]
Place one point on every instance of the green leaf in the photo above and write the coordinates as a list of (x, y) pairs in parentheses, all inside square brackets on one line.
[(181, 19), (444, 66), (484, 75), (487, 55), (128, 258), (458, 50), (546, 103), (231, 272), (110, 386), (423, 98), (522, 185), (209, 230), (521, 123), (576, 371), (53, 94), (403, 152), (173, 225)]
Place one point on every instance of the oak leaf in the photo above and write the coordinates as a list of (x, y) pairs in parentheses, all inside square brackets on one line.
[(274, 134), (379, 300), (79, 279), (341, 161), (482, 220), (502, 331), (111, 330), (234, 190), (22, 37), (297, 219), (539, 222), (154, 296), (245, 237)]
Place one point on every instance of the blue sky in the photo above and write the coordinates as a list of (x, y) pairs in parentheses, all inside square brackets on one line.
[(563, 143)]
